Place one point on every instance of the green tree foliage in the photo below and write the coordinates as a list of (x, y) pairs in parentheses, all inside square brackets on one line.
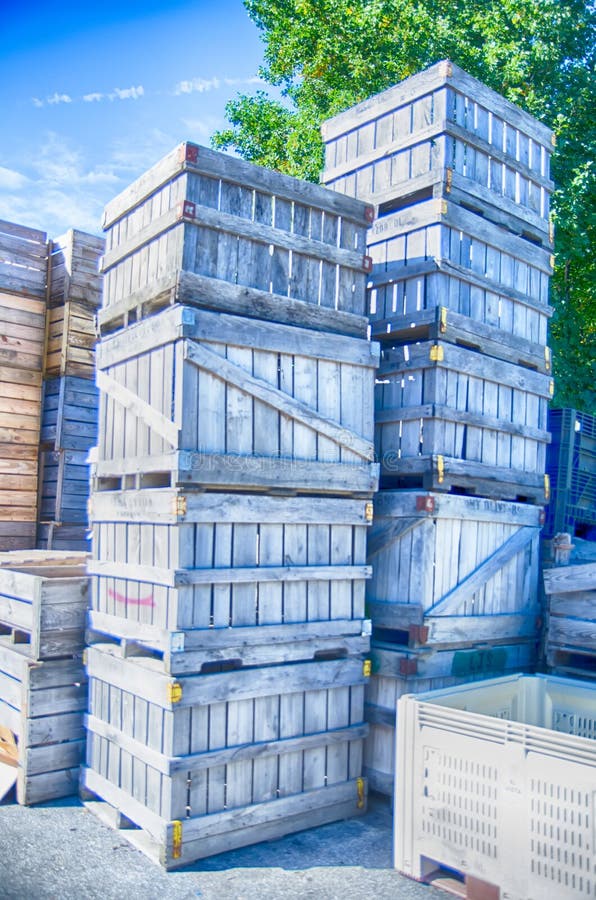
[(324, 56)]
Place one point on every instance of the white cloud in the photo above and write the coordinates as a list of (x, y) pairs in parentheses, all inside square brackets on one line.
[(197, 85), (201, 129), (10, 180), (131, 93), (58, 98), (234, 82), (37, 102), (90, 98)]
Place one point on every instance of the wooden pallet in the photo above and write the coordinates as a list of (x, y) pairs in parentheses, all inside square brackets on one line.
[(441, 119), (42, 705), (226, 759), (446, 567), (203, 565), (44, 605), (433, 299), (570, 632), (253, 405), (397, 671), (204, 212), (440, 400)]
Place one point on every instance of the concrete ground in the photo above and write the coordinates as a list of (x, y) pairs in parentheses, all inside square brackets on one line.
[(61, 851)]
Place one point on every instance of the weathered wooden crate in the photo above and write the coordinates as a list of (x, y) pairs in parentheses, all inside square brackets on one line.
[(22, 328), (449, 416), (63, 537), (453, 571), (226, 221), (70, 414), (570, 633), (64, 487), (435, 298), (211, 762), (210, 399), (20, 421), (442, 129), (441, 231), (44, 605), (42, 708), (203, 577), (395, 672), (23, 261), (75, 295)]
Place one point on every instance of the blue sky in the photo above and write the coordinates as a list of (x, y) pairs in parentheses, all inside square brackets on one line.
[(92, 94)]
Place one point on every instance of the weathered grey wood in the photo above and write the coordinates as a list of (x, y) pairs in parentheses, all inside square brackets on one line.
[(146, 678), (566, 579), (235, 170), (204, 292), (421, 84), (167, 506)]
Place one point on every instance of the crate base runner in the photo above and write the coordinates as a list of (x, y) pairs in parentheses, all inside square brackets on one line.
[(570, 632), (194, 651), (43, 705), (395, 673), (183, 842)]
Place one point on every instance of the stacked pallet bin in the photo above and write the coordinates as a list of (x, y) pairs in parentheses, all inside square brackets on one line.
[(23, 263), (232, 493), (571, 465), (43, 691), (70, 396), (458, 296)]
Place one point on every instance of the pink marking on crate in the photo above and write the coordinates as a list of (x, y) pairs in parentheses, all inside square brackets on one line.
[(132, 601)]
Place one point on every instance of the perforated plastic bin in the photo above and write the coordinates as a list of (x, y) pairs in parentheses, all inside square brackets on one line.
[(497, 780)]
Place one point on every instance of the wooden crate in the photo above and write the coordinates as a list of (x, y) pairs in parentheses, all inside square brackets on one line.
[(397, 672), (44, 605), (207, 763), (210, 399), (570, 633), (225, 220), (207, 576), (64, 491), (23, 261), (63, 537), (70, 414), (42, 708), (436, 298), (15, 535), (453, 571), (444, 232), (486, 419), (442, 126), (75, 295)]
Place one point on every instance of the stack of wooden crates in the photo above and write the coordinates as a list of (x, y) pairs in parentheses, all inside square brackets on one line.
[(461, 251), (23, 266), (232, 494), (70, 397)]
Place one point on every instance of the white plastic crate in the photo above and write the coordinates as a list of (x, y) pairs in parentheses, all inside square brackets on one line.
[(497, 780)]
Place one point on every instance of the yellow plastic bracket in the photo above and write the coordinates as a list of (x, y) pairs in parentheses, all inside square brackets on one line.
[(369, 512), (448, 180), (179, 506), (551, 388), (443, 207), (176, 840), (548, 358), (367, 668), (174, 692), (360, 792), (436, 353), (441, 469), (552, 261), (547, 488)]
